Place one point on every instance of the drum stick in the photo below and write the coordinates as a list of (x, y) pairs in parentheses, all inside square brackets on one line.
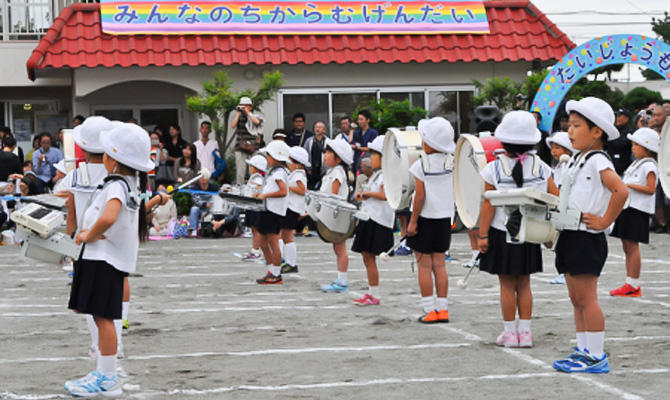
[(204, 173), (463, 283), (386, 255)]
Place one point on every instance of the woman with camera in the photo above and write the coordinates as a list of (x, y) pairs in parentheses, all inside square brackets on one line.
[(248, 130)]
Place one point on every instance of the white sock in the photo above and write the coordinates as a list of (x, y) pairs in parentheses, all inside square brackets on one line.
[(510, 326), (581, 341), (633, 282), (441, 303), (107, 365), (428, 304), (118, 325), (281, 248), (596, 343), (374, 292), (124, 310), (475, 253), (274, 270), (291, 254), (342, 277), (524, 325), (92, 329)]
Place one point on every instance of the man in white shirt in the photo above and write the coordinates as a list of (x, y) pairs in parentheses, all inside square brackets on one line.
[(205, 146)]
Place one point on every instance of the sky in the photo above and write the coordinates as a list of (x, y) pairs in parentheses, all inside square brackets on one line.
[(583, 20)]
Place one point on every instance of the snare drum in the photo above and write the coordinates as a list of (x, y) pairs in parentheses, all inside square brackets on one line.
[(242, 198), (335, 213), (402, 147)]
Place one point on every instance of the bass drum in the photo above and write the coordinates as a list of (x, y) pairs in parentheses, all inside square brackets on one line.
[(664, 157), (402, 147), (471, 156), (72, 153)]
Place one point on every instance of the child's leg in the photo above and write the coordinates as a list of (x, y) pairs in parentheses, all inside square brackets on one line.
[(290, 250), (524, 301), (403, 220), (633, 260), (342, 261), (256, 240), (107, 345), (585, 298), (439, 269), (264, 245), (272, 244), (425, 263), (508, 297), (93, 330), (373, 273), (580, 327)]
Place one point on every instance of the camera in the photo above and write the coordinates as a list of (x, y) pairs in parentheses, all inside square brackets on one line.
[(520, 97), (240, 108)]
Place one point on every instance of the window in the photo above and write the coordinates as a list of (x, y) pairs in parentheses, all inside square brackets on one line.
[(25, 19), (29, 119), (314, 106), (344, 104), (454, 106), (115, 114), (148, 117)]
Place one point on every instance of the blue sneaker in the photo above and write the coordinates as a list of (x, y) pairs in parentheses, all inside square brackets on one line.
[(336, 287), (95, 384), (582, 361), (403, 251)]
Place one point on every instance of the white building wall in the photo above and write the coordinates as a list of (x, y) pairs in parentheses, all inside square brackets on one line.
[(13, 72)]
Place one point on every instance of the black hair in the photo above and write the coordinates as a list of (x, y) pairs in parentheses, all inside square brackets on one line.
[(206, 123), (563, 117), (279, 130), (79, 118), (515, 150), (142, 226), (347, 118), (6, 130), (591, 124), (539, 115), (342, 163), (27, 163), (299, 115), (194, 156), (8, 141), (366, 114), (45, 134)]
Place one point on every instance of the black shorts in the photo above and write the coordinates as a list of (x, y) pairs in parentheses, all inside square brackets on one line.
[(97, 289), (580, 252), (434, 236), (290, 221), (504, 258), (632, 224), (372, 237), (251, 218), (269, 223)]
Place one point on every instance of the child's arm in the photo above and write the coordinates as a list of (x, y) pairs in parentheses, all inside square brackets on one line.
[(649, 188), (485, 217), (279, 193), (552, 188), (619, 194), (108, 217), (71, 219), (335, 189), (417, 206), (374, 195), (300, 189)]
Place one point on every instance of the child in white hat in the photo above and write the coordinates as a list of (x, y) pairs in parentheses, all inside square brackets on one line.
[(598, 194), (374, 236), (110, 253), (297, 187), (275, 194), (632, 225), (429, 228), (519, 167), (258, 165), (338, 156)]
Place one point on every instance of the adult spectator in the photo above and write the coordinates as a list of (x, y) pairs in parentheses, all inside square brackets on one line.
[(174, 144), (187, 166), (18, 151), (657, 118), (206, 146), (298, 135), (30, 183), (3, 131), (201, 202), (45, 159), (362, 136), (563, 122), (248, 128), (346, 130), (58, 140), (163, 215), (315, 146), (279, 134), (620, 150), (366, 173), (77, 120), (542, 150), (666, 107), (158, 154), (10, 165), (36, 145)]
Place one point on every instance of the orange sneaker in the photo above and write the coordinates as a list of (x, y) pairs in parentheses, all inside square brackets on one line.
[(627, 290), (443, 316), (429, 318)]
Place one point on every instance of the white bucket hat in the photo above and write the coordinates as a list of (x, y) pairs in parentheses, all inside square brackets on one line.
[(259, 162), (87, 135), (598, 111), (300, 155), (647, 138), (245, 101), (560, 138), (518, 127), (128, 144), (377, 144), (342, 149), (438, 133), (278, 150), (60, 166)]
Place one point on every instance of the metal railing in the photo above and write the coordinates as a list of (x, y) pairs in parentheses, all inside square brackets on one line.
[(30, 19)]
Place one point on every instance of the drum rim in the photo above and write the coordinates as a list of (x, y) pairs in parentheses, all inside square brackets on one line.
[(470, 222), (406, 178)]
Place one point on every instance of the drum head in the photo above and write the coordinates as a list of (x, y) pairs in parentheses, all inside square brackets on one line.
[(664, 158), (469, 159), (401, 149), (329, 236)]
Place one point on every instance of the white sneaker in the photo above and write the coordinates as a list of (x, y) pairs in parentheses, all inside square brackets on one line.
[(68, 265), (95, 384)]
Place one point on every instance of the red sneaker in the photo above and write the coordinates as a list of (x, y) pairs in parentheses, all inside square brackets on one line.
[(269, 279), (627, 290), (367, 300)]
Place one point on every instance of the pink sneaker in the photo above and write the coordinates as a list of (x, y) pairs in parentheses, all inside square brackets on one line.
[(525, 339), (367, 300), (508, 339)]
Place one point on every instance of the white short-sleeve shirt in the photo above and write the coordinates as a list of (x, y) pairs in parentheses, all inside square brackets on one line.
[(277, 205), (494, 175), (637, 174), (296, 202), (558, 173), (256, 180), (438, 183), (121, 243), (379, 210), (82, 194), (589, 194), (204, 152), (336, 173)]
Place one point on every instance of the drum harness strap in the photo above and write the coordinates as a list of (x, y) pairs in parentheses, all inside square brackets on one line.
[(447, 168), (637, 164)]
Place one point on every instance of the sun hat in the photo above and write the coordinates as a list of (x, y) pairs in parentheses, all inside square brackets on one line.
[(278, 150), (518, 127), (598, 112), (438, 133), (647, 138), (245, 101), (87, 135), (342, 149), (60, 166), (560, 138), (128, 144), (377, 144), (259, 162), (300, 155)]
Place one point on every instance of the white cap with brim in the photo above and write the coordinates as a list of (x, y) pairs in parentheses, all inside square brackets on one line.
[(377, 144), (438, 133), (87, 135), (598, 112), (278, 150), (259, 162), (518, 127), (560, 138), (129, 144), (245, 101), (342, 148), (647, 138), (298, 154), (60, 166)]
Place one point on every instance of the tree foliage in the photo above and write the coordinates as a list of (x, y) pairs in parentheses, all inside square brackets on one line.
[(600, 89), (661, 28), (389, 113), (639, 98), (499, 92)]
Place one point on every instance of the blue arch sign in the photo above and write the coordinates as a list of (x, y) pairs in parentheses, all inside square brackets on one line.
[(599, 52)]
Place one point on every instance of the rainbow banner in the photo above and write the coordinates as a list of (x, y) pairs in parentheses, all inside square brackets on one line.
[(263, 17)]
